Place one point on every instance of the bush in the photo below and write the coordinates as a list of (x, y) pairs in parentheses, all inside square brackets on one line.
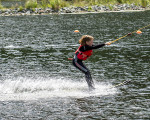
[(1, 5), (89, 8), (20, 8), (44, 3), (57, 4), (54, 4), (119, 1), (144, 3), (31, 4)]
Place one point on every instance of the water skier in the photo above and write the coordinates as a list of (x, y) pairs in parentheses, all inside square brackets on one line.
[(84, 51)]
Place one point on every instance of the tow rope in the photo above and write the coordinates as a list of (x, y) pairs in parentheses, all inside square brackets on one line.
[(136, 31), (121, 84)]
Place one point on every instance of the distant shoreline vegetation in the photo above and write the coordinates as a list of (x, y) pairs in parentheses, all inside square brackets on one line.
[(57, 4), (71, 6)]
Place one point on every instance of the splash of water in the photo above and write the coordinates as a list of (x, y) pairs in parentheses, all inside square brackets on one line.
[(33, 89)]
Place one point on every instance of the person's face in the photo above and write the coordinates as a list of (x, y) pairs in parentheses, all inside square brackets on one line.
[(90, 43)]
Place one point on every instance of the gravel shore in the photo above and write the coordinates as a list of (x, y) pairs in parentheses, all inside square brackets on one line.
[(72, 10)]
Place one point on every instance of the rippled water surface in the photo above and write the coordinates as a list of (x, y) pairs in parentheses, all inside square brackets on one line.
[(37, 81)]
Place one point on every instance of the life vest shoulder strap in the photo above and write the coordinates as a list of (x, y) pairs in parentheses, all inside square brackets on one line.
[(84, 55)]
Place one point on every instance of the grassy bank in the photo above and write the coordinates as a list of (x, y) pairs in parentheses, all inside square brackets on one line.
[(57, 4)]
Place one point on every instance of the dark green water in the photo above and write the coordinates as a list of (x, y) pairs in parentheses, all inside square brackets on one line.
[(37, 82)]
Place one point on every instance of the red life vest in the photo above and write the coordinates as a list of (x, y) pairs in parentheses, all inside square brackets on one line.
[(83, 55)]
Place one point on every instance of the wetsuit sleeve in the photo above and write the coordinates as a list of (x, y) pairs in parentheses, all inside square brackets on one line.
[(86, 47)]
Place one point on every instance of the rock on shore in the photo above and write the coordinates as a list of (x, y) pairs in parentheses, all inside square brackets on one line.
[(96, 8)]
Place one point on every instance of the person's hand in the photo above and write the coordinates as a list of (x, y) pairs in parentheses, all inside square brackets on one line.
[(129, 34), (107, 43)]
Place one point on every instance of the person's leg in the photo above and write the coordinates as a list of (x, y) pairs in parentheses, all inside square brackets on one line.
[(89, 80), (79, 64)]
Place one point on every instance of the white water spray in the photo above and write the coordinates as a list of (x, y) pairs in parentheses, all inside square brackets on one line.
[(33, 89)]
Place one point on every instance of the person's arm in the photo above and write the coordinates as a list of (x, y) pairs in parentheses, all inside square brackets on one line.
[(86, 47)]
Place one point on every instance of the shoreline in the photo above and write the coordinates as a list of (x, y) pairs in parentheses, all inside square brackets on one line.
[(73, 10), (106, 12)]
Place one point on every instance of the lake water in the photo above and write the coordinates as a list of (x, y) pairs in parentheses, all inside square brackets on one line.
[(37, 82)]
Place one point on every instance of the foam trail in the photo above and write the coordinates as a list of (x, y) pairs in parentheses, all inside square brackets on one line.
[(33, 89)]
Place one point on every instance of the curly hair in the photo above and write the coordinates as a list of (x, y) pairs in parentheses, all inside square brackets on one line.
[(85, 38)]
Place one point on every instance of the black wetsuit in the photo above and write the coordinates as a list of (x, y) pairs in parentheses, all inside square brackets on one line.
[(79, 64)]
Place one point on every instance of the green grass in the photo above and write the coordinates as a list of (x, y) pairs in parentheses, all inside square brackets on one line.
[(144, 3), (112, 2), (1, 7), (54, 4), (20, 8), (31, 4), (57, 4)]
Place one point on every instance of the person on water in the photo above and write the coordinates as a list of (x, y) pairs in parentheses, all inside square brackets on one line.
[(84, 51)]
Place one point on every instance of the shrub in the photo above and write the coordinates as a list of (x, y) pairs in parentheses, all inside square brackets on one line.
[(89, 8), (44, 3), (144, 3), (57, 4), (20, 8), (31, 4), (119, 1), (1, 5)]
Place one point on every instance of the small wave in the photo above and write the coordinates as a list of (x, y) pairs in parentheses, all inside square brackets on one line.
[(11, 47), (33, 89)]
